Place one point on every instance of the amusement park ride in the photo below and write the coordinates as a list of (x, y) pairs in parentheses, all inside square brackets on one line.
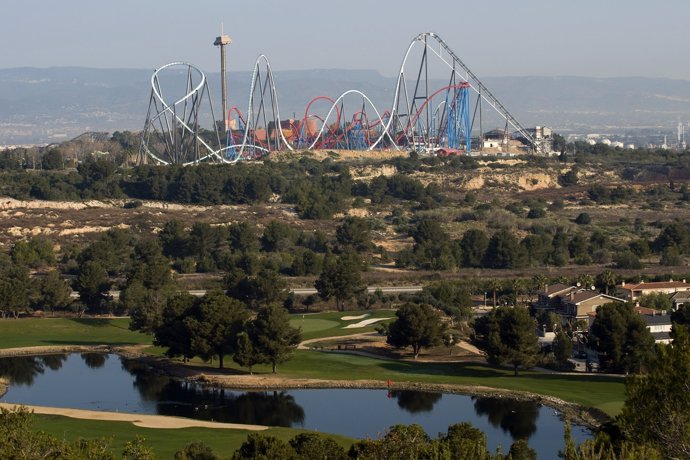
[(423, 116)]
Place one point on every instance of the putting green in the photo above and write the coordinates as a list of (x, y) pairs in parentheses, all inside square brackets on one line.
[(309, 325)]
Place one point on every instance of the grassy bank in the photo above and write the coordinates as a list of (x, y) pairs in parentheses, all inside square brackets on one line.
[(165, 442), (605, 393), (601, 392), (33, 332), (332, 324)]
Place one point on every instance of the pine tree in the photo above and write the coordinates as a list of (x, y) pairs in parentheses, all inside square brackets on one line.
[(508, 336), (246, 355), (657, 406), (417, 325), (273, 337)]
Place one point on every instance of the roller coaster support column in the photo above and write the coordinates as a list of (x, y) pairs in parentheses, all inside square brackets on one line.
[(483, 90)]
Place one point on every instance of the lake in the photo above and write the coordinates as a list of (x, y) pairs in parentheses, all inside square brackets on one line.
[(112, 383)]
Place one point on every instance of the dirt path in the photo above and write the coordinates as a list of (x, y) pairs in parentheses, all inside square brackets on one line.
[(141, 420), (304, 343), (372, 343)]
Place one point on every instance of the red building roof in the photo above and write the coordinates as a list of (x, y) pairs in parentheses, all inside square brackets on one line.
[(655, 285)]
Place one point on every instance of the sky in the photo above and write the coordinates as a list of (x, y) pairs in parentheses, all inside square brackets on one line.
[(595, 38)]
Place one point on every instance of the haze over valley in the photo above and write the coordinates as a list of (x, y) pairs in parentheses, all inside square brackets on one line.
[(47, 105)]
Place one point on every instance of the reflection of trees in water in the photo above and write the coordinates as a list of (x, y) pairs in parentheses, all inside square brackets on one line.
[(416, 401), (274, 409), (149, 383), (186, 399), (94, 360), (266, 408), (519, 418), (24, 369), (53, 362)]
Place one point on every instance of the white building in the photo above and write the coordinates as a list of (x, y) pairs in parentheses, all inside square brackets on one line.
[(659, 326)]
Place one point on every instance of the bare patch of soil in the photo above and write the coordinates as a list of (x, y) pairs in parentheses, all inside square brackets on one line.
[(81, 222), (321, 155), (374, 344)]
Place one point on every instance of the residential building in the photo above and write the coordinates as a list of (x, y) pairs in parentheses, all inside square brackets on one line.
[(659, 325), (550, 297), (577, 305), (632, 291), (680, 298)]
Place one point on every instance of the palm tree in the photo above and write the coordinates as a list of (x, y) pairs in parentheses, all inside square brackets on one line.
[(606, 279), (494, 285), (585, 280), (518, 286), (537, 284)]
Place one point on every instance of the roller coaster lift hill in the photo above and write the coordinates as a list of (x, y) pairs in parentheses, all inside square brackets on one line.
[(424, 116)]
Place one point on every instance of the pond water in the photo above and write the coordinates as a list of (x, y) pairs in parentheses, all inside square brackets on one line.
[(112, 383)]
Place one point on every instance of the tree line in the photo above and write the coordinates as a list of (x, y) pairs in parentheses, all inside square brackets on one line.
[(256, 262), (434, 249), (317, 189)]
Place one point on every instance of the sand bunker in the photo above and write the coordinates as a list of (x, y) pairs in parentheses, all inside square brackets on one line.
[(352, 318), (141, 420), (365, 323)]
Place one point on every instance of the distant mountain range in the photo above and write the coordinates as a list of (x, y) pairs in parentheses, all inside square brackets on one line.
[(54, 104)]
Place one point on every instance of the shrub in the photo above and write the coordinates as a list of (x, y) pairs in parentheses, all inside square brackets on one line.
[(583, 219), (132, 204), (626, 259), (670, 257), (568, 179), (557, 204), (536, 213)]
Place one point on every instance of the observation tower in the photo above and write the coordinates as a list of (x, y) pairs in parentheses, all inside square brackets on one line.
[(223, 41)]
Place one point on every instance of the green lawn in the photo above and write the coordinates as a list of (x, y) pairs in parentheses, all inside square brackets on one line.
[(602, 392), (331, 324), (165, 442), (605, 393), (31, 332)]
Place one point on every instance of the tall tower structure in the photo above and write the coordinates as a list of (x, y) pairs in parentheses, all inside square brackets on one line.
[(223, 41)]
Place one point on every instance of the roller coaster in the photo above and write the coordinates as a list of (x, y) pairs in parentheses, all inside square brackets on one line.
[(424, 116)]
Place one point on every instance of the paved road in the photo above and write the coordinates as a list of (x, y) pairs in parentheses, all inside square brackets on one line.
[(300, 291), (370, 290)]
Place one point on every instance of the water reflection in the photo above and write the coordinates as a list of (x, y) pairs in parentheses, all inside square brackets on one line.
[(276, 408), (53, 362), (415, 401), (24, 370), (147, 381), (125, 385), (519, 418), (94, 360), (186, 399)]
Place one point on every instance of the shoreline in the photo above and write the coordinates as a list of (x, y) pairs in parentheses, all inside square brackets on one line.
[(140, 420), (588, 417)]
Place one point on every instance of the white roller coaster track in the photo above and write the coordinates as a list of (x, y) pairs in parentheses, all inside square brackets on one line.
[(454, 64)]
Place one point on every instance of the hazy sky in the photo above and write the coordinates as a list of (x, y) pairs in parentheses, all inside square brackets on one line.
[(493, 37)]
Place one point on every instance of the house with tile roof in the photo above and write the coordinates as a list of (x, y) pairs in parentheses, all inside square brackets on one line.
[(658, 322), (633, 291), (578, 305), (550, 297)]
